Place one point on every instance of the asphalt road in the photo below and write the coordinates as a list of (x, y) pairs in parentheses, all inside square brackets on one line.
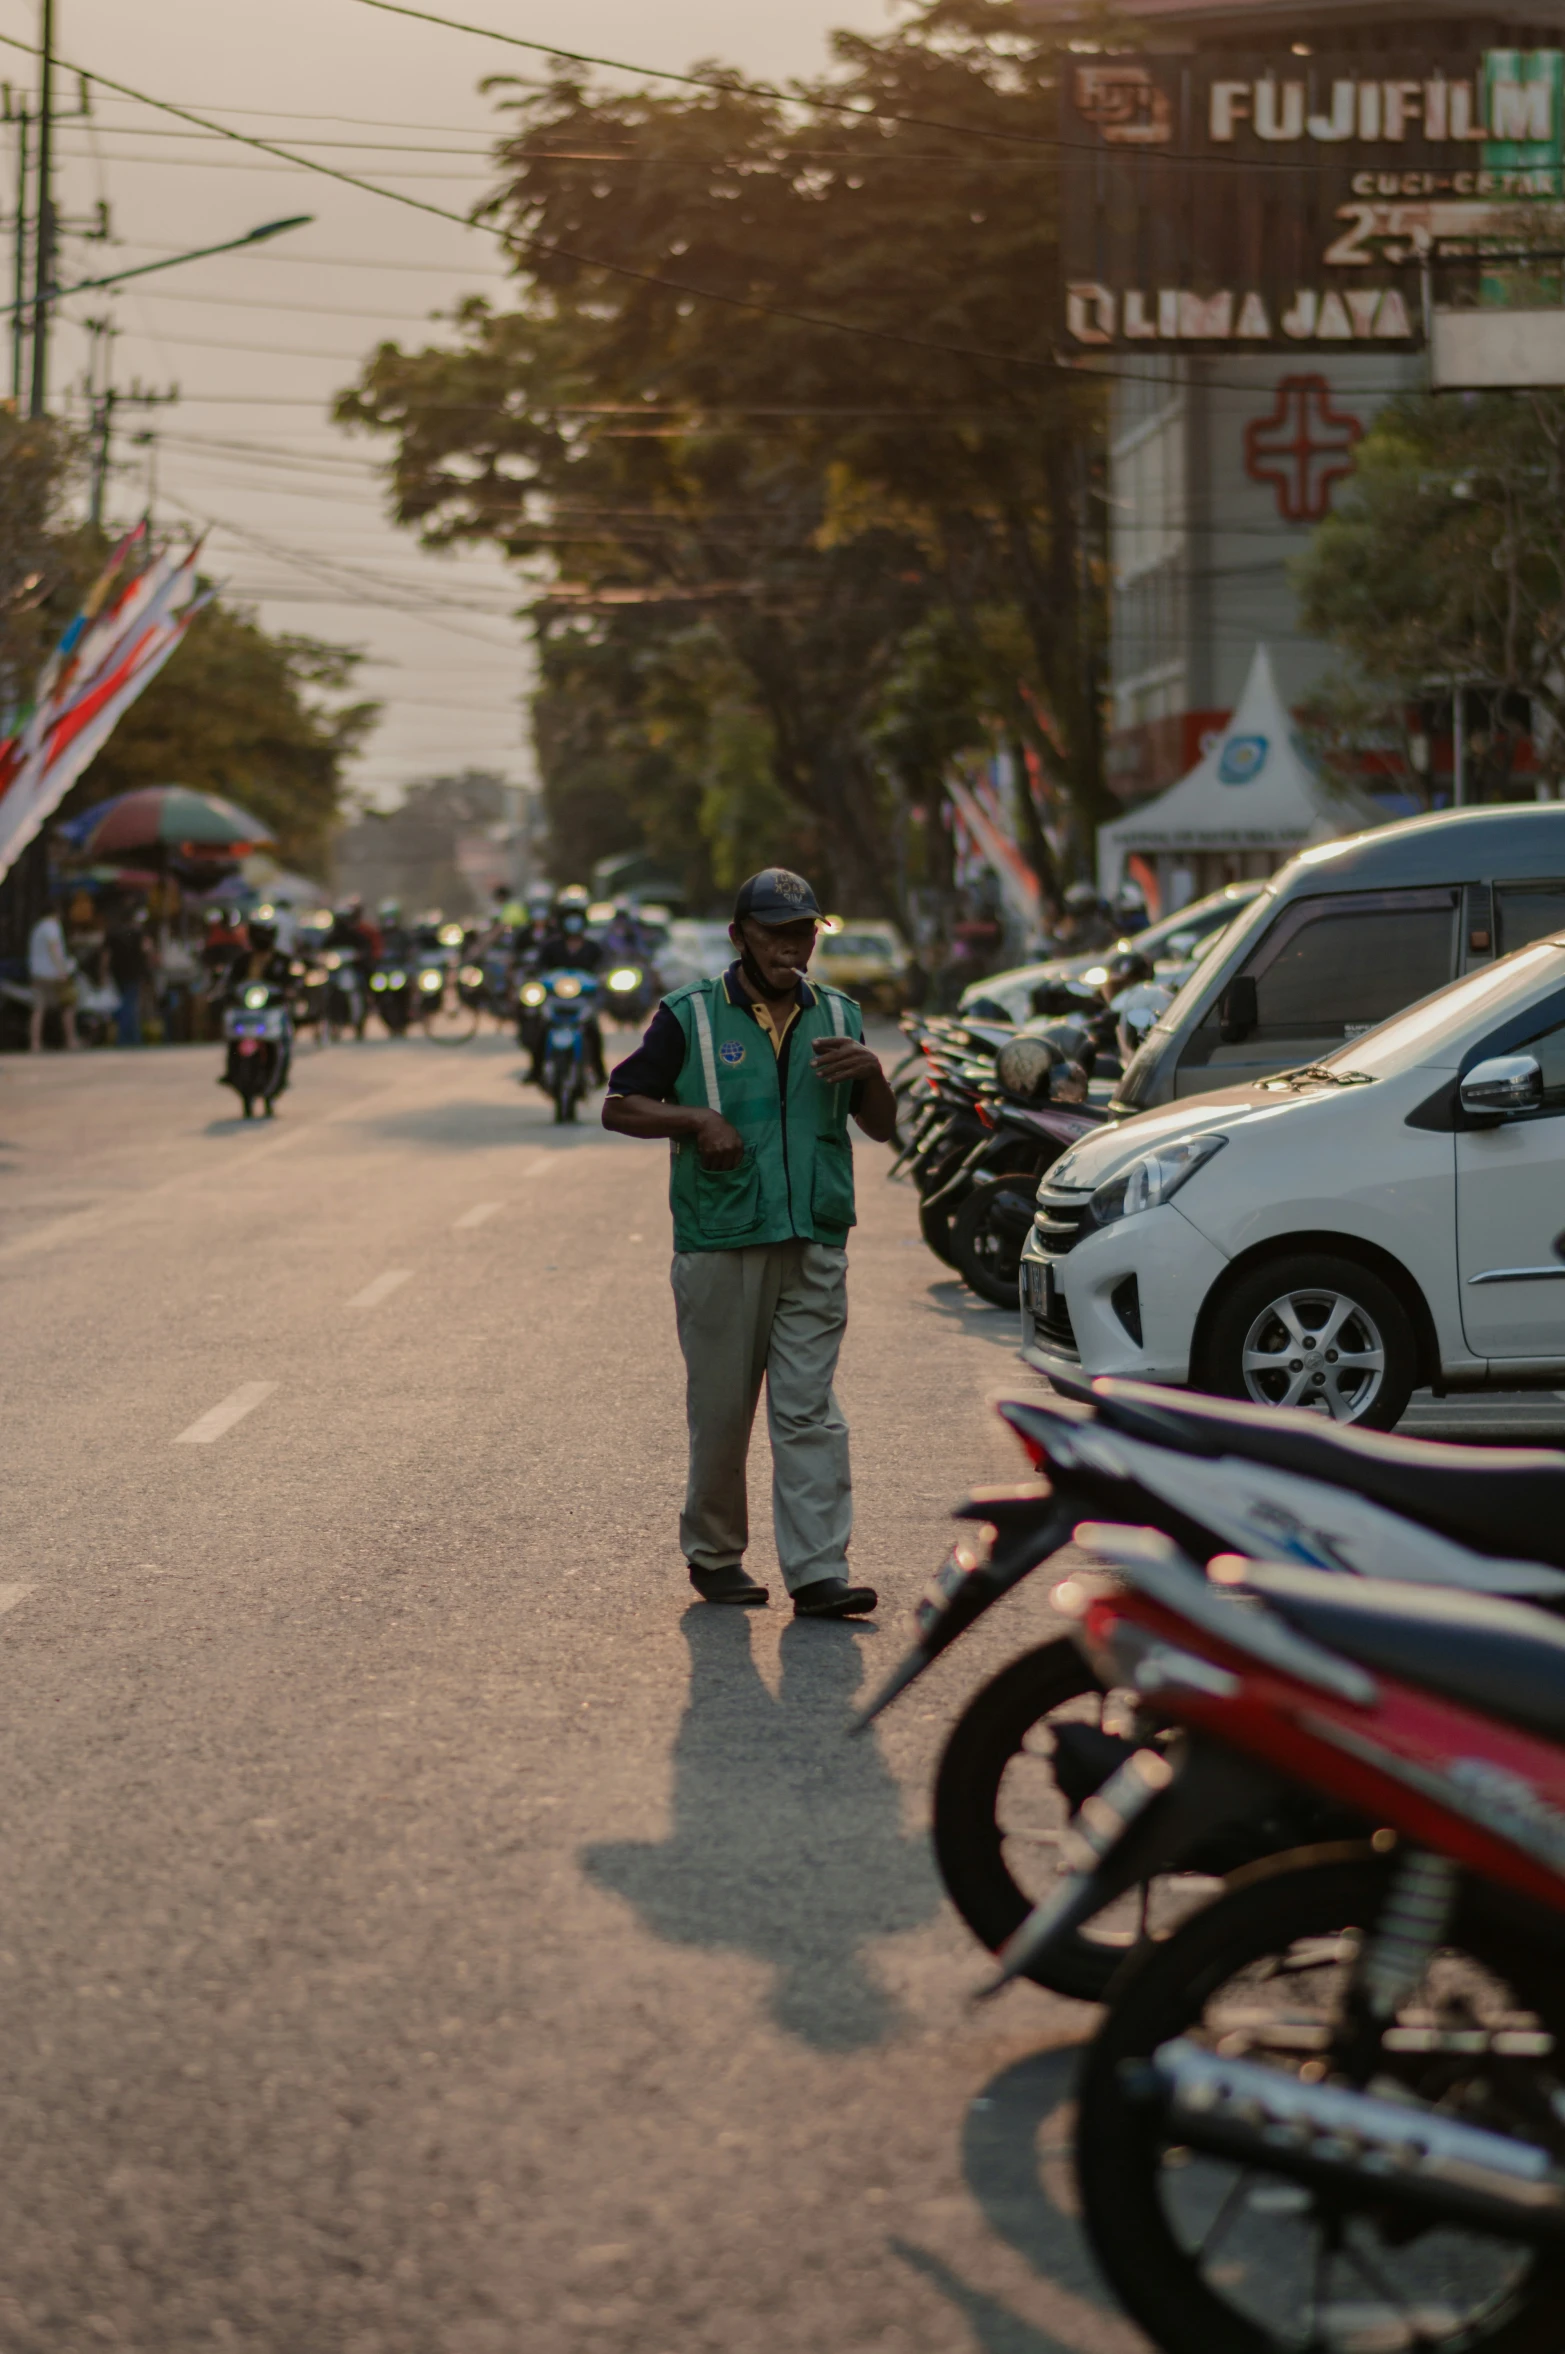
[(422, 1931)]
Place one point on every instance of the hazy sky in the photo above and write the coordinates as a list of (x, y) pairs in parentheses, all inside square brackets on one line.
[(259, 342)]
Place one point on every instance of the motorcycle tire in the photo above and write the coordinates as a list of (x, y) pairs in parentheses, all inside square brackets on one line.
[(970, 1839), (1227, 2256), (982, 1250), (934, 1224)]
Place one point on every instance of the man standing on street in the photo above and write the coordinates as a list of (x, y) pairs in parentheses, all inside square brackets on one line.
[(752, 1077)]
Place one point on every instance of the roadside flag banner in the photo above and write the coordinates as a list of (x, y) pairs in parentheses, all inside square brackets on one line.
[(129, 625)]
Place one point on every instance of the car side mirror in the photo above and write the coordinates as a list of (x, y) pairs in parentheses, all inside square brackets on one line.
[(1505, 1084), (1239, 1010)]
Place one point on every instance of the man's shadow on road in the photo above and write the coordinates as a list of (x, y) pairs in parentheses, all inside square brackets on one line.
[(787, 1840)]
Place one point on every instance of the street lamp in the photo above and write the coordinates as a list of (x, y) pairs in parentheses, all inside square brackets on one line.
[(144, 269)]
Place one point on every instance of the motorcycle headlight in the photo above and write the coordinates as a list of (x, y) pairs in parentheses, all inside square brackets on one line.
[(255, 998), (334, 962), (377, 980), (315, 980), (431, 981), (566, 985), (1155, 1178), (533, 993), (471, 976), (396, 980), (625, 977), (451, 935)]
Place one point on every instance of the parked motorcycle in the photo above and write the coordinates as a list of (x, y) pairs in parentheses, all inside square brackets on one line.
[(1035, 1743), (258, 1029), (1328, 2113)]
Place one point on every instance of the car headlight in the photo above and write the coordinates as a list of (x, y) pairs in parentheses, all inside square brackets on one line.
[(566, 985), (625, 977), (431, 981), (1155, 1178), (256, 998), (533, 993)]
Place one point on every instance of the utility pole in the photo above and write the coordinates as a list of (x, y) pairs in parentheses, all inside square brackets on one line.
[(102, 405), (23, 122), (44, 232)]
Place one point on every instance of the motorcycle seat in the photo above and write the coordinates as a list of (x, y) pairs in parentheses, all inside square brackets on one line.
[(1505, 1501), (1498, 1656)]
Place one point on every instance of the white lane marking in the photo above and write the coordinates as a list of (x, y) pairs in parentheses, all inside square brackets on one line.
[(212, 1424), (478, 1215), (11, 1595), (382, 1287), (84, 1225)]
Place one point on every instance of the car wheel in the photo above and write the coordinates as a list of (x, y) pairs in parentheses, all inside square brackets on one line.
[(1313, 1331)]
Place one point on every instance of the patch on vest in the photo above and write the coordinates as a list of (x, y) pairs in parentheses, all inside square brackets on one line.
[(731, 1051)]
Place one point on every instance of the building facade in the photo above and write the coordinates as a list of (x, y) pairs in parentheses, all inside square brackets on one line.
[(1257, 200)]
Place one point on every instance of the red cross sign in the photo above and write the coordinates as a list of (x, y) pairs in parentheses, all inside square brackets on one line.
[(1302, 448)]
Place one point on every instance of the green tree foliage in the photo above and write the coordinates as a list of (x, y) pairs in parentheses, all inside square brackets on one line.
[(747, 530), (1444, 559), (43, 556)]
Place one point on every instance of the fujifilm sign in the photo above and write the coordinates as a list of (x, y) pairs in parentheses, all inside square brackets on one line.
[(1288, 203)]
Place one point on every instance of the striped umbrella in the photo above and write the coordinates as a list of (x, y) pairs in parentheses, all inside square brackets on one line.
[(173, 818)]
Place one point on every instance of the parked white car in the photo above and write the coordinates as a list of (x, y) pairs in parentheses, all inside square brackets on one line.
[(1338, 1235)]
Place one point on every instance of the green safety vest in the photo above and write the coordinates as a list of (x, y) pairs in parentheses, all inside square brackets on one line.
[(796, 1179)]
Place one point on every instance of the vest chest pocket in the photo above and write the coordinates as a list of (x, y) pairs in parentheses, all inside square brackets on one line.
[(831, 1194), (728, 1201)]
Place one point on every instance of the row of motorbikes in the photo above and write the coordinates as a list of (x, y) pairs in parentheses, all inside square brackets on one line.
[(1285, 1793), (439, 985), (984, 1106)]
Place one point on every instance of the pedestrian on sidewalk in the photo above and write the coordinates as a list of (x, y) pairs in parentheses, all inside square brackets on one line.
[(752, 1078), (51, 975), (129, 965)]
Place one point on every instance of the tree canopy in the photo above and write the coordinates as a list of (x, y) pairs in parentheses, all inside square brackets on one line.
[(775, 416), (1444, 560)]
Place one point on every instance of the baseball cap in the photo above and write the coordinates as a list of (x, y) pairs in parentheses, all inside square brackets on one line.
[(775, 896)]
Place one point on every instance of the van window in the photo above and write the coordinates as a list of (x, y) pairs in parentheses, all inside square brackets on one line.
[(1525, 912), (1346, 965)]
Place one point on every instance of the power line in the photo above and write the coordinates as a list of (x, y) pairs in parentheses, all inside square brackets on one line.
[(517, 242), (733, 84)]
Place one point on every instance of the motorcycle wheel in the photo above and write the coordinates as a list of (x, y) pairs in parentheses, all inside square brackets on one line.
[(934, 1224), (1000, 1816), (982, 1252), (1212, 2255), (452, 1023)]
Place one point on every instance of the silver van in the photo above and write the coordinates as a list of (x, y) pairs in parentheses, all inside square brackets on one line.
[(1347, 934)]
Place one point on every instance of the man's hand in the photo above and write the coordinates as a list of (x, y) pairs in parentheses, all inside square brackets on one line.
[(840, 1061), (720, 1146), (843, 1061)]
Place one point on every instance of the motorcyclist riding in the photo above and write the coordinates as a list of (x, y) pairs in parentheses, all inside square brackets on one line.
[(261, 961), (570, 948)]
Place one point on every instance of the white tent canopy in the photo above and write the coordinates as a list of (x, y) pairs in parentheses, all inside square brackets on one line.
[(1252, 796)]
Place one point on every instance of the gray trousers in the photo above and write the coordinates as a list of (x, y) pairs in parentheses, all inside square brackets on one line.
[(778, 1310)]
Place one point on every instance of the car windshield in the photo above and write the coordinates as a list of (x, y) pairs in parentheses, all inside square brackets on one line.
[(857, 944), (1418, 1035)]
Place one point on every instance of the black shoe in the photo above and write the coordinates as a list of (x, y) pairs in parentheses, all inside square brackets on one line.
[(834, 1598), (732, 1584)]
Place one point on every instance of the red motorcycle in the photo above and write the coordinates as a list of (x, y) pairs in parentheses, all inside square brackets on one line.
[(1326, 2114)]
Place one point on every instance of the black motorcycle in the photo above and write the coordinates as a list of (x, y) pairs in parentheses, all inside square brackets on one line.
[(258, 1028)]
